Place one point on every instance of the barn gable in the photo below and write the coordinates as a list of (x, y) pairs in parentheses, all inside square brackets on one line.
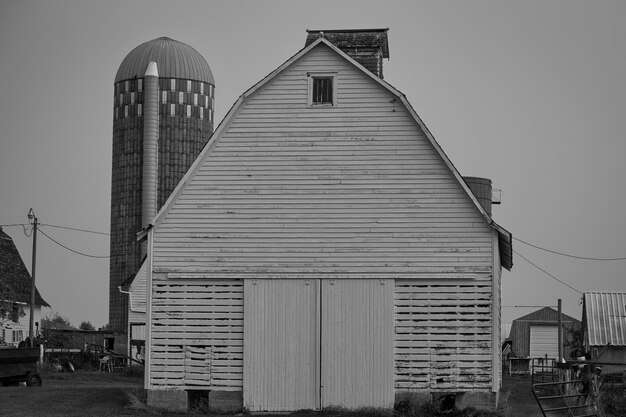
[(283, 188), (333, 205)]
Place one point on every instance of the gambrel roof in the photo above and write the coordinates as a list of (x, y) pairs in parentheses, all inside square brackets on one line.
[(505, 238)]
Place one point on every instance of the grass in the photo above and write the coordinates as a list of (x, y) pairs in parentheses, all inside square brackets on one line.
[(100, 394)]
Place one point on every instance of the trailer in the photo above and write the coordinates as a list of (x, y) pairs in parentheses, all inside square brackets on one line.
[(20, 365)]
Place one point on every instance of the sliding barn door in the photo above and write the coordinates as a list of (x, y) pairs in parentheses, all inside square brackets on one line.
[(281, 353), (357, 343), (318, 343)]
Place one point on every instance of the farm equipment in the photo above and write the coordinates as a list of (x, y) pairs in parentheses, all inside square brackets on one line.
[(20, 365)]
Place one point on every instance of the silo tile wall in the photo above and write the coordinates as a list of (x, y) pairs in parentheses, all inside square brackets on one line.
[(185, 125)]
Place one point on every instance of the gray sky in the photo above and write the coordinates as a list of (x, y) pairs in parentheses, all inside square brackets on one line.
[(528, 93)]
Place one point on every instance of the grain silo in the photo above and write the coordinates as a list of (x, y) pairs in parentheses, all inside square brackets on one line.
[(162, 117)]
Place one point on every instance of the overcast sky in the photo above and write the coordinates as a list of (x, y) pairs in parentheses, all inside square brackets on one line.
[(528, 93)]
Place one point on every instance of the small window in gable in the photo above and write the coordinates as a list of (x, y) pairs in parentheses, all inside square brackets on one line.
[(322, 90)]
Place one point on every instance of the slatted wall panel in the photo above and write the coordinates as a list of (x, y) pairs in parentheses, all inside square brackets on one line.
[(354, 190), (197, 334), (443, 335)]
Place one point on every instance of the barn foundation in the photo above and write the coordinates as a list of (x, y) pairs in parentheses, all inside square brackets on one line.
[(477, 400), (171, 400)]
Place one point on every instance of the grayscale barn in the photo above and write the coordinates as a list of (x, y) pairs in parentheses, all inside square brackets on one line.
[(323, 250)]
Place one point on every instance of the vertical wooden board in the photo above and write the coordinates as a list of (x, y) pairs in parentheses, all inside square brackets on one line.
[(357, 343), (280, 345)]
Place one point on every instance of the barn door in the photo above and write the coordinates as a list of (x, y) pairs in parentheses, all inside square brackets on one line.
[(318, 343), (281, 354), (357, 343)]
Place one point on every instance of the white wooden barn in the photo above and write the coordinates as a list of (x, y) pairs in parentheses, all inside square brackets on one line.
[(322, 251)]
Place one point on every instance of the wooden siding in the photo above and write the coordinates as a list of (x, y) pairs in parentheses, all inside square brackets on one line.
[(350, 191), (443, 335), (137, 296), (197, 335)]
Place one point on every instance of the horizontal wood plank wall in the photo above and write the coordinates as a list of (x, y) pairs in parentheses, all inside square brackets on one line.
[(197, 335), (350, 191), (443, 335)]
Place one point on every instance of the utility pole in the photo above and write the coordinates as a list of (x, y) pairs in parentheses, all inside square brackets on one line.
[(560, 331), (31, 334)]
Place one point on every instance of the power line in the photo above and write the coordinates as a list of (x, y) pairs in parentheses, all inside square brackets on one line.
[(586, 258), (76, 229), (70, 249), (525, 306), (546, 272)]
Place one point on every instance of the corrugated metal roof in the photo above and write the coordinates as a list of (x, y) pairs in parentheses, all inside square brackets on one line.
[(174, 60), (604, 315)]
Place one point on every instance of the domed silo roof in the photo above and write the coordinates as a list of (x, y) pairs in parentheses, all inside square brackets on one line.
[(174, 60)]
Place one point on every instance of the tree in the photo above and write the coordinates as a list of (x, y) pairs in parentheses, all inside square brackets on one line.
[(56, 321), (85, 325)]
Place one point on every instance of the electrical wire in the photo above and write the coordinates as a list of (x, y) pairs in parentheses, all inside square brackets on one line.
[(76, 229), (525, 306), (546, 272), (70, 249), (586, 258)]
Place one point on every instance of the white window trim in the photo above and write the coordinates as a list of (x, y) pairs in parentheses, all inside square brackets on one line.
[(313, 75)]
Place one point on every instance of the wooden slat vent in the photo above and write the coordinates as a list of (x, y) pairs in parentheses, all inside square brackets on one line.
[(197, 334), (443, 335)]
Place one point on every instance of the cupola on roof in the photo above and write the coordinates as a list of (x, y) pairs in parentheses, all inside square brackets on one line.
[(174, 60)]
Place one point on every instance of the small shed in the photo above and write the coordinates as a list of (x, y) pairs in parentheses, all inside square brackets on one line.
[(604, 326), (535, 335)]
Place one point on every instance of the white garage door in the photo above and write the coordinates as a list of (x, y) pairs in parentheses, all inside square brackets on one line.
[(544, 341)]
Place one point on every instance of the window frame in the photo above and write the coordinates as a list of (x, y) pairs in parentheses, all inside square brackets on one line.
[(312, 76)]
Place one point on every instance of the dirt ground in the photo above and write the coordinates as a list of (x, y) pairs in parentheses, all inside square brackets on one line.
[(101, 394)]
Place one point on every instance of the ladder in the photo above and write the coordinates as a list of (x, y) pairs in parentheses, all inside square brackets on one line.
[(562, 399)]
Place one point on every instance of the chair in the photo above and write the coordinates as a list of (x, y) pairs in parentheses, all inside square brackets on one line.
[(105, 364)]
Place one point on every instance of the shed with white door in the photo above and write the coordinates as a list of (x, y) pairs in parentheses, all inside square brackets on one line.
[(535, 335), (323, 250)]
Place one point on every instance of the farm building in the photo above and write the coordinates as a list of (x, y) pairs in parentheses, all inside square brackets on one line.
[(135, 287), (322, 250), (604, 326), (535, 335), (15, 287)]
